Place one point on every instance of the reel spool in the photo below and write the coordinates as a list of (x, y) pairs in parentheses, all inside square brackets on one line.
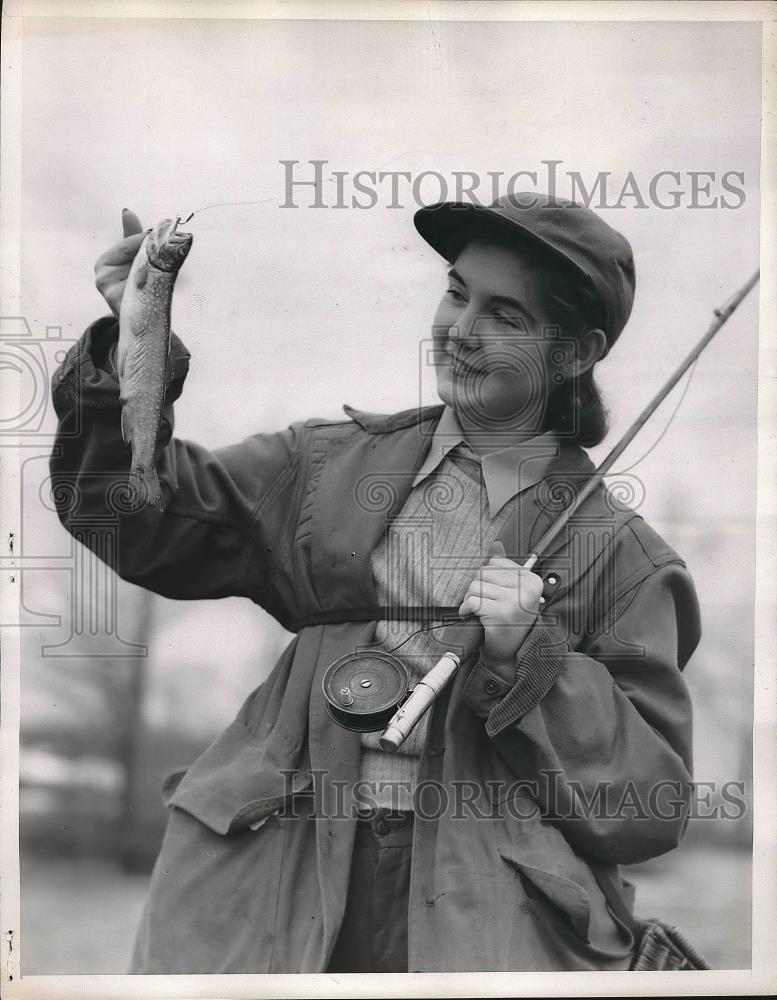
[(363, 690)]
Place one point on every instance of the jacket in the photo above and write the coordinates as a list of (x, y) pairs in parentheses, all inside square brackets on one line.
[(578, 757)]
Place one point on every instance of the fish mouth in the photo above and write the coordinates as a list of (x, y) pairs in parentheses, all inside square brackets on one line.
[(174, 235), (180, 239), (167, 232), (168, 246)]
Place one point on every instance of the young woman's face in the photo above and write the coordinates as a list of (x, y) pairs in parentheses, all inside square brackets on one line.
[(497, 351)]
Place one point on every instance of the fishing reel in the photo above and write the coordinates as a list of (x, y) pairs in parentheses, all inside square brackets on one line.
[(364, 690), (369, 691)]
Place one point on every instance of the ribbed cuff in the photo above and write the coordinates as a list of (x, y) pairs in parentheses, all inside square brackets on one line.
[(80, 380), (539, 662)]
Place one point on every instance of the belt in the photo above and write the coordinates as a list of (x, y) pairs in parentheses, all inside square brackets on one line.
[(377, 613)]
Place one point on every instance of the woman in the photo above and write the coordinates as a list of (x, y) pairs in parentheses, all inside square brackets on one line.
[(560, 750)]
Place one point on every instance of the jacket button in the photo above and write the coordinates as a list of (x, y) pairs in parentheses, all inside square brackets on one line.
[(491, 686)]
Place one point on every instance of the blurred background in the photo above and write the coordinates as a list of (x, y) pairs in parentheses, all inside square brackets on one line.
[(290, 313)]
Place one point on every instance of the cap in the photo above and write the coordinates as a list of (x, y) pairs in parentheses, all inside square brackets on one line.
[(571, 232)]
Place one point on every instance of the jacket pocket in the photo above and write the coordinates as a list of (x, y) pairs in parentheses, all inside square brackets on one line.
[(236, 782), (564, 895)]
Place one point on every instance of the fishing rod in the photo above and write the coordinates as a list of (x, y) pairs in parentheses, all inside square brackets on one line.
[(427, 689)]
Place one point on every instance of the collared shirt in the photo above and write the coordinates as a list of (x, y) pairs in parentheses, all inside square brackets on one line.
[(506, 472)]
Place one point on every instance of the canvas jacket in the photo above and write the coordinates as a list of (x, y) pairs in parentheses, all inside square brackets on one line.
[(576, 756)]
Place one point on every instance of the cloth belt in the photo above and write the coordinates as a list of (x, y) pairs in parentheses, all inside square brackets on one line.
[(377, 612)]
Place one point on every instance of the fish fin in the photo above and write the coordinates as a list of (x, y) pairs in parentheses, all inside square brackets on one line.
[(145, 488), (141, 275), (154, 490), (121, 354), (125, 426)]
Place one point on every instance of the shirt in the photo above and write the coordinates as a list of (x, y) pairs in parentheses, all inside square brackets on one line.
[(506, 472), (457, 507)]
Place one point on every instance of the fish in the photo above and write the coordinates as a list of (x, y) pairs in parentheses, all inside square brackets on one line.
[(143, 353)]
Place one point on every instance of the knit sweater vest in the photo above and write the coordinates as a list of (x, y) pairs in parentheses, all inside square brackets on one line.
[(428, 556)]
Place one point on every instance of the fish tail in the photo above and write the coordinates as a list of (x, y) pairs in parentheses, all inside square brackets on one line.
[(145, 487)]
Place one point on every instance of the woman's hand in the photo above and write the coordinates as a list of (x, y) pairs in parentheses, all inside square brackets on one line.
[(112, 268), (506, 599)]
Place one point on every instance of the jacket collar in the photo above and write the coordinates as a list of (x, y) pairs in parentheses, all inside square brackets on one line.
[(381, 472), (564, 476), (383, 423)]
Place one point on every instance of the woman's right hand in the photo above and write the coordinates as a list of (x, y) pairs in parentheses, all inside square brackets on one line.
[(112, 268)]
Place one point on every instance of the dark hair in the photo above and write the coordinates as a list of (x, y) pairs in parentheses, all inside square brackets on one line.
[(575, 407)]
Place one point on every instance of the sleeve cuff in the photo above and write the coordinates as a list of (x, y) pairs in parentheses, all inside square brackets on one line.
[(486, 685), (88, 377), (503, 693)]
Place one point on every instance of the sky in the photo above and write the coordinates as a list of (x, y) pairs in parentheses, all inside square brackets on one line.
[(289, 313)]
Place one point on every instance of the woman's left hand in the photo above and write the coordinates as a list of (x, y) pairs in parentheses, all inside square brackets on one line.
[(506, 599)]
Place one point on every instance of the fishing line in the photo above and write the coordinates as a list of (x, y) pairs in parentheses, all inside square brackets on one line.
[(224, 204), (263, 201), (426, 628), (669, 422)]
